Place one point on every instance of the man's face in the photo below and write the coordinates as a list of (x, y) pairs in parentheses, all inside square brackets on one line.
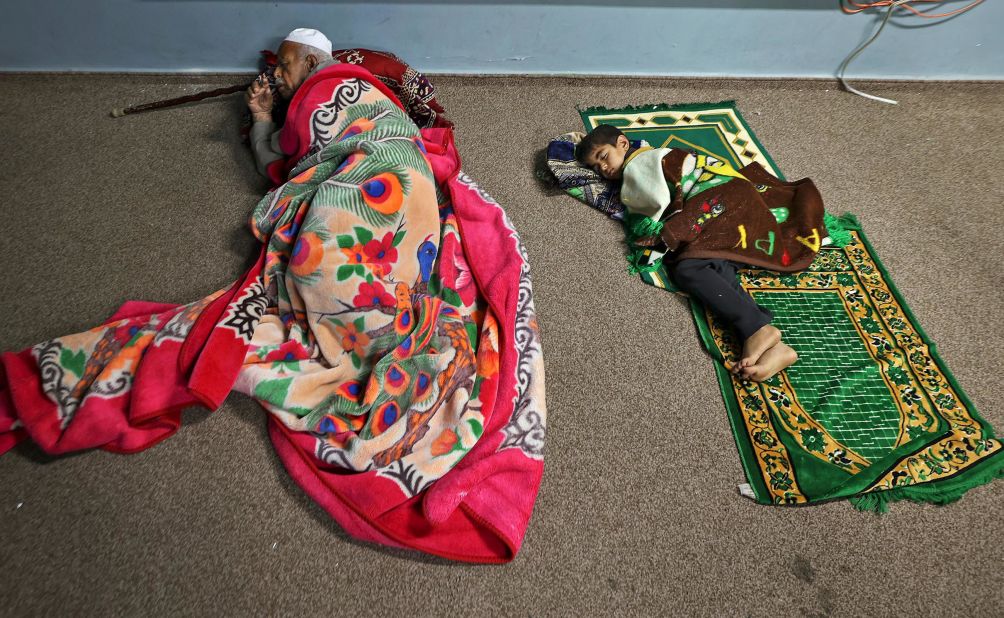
[(292, 69), (608, 160)]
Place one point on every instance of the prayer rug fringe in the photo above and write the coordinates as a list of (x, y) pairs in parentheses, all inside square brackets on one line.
[(944, 492)]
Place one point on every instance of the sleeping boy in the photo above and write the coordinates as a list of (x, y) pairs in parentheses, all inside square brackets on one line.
[(711, 219)]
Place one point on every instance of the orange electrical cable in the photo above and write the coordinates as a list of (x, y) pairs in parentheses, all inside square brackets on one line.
[(890, 6), (883, 3)]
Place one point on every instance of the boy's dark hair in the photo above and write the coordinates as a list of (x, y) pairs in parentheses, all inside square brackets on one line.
[(602, 134)]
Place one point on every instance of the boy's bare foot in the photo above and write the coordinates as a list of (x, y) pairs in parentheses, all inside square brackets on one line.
[(774, 360), (753, 348)]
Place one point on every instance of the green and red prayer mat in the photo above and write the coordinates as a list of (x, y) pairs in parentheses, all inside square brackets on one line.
[(870, 412)]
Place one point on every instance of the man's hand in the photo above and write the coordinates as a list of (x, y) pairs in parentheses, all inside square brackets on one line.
[(259, 99)]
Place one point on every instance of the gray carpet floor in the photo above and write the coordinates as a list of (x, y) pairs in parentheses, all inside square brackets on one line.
[(638, 513)]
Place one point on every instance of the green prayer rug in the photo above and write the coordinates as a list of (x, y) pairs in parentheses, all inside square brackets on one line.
[(869, 412)]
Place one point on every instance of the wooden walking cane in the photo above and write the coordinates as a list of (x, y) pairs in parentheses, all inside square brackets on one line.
[(122, 111), (198, 96)]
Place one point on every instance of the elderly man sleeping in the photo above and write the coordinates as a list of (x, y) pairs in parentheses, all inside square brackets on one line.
[(302, 53), (387, 328)]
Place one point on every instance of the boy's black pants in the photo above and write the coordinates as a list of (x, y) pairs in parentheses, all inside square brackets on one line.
[(714, 283)]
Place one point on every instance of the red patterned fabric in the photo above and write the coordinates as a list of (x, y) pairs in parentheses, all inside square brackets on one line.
[(411, 87)]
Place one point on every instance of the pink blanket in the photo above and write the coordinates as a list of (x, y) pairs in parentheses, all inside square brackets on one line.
[(387, 327)]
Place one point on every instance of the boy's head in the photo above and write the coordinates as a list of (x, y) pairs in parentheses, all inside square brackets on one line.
[(604, 149)]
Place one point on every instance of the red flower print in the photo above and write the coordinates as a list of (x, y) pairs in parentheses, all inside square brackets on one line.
[(381, 254), (289, 351), (373, 294)]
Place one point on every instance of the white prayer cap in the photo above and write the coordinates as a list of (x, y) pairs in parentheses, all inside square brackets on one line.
[(309, 36)]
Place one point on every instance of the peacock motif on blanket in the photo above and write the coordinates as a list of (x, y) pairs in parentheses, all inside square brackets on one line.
[(400, 306), (459, 371), (373, 188)]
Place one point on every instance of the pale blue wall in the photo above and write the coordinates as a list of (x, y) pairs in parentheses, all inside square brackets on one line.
[(788, 38)]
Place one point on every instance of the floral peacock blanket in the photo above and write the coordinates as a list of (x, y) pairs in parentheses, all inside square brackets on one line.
[(387, 327)]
